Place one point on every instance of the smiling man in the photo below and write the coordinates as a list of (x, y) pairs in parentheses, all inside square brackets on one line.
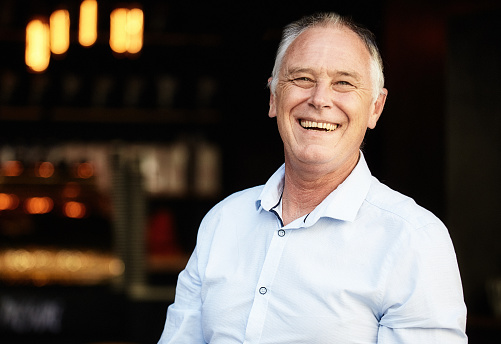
[(324, 97), (323, 252)]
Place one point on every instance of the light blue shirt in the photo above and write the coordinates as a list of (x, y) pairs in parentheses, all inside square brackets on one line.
[(368, 265)]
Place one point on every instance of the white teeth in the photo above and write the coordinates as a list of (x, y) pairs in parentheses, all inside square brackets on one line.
[(326, 126)]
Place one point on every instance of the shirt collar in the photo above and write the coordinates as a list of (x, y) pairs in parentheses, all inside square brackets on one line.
[(272, 190), (342, 203)]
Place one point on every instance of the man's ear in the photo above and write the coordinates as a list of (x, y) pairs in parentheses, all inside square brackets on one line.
[(272, 112), (378, 109)]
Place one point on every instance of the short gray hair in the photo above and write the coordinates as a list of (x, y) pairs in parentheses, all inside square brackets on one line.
[(293, 30)]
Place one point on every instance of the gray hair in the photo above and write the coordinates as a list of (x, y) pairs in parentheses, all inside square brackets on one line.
[(293, 30)]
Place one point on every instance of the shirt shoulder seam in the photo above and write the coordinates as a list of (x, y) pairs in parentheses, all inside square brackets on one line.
[(431, 221)]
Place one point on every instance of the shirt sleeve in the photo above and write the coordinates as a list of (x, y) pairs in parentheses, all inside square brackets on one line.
[(183, 323), (423, 298)]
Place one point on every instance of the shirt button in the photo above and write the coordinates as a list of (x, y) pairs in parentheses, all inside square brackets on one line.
[(262, 290), (281, 232)]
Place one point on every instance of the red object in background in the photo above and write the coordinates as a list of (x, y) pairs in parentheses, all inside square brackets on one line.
[(161, 234)]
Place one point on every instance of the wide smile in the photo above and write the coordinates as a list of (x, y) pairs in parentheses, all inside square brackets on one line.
[(319, 126)]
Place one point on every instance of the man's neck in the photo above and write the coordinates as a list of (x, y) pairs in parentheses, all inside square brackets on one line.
[(305, 189)]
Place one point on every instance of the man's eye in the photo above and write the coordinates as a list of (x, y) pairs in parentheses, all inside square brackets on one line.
[(303, 81), (343, 83)]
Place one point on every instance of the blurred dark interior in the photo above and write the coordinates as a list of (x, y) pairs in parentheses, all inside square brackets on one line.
[(109, 160)]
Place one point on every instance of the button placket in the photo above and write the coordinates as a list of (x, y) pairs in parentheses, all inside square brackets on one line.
[(272, 260)]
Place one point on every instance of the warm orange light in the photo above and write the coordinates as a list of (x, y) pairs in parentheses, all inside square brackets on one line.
[(87, 29), (38, 205), (118, 33), (126, 30), (44, 169), (37, 53), (4, 201), (75, 210), (85, 170), (135, 23), (59, 31), (8, 202), (71, 190), (13, 168)]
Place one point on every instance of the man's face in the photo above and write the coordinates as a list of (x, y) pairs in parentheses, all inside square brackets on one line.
[(324, 98)]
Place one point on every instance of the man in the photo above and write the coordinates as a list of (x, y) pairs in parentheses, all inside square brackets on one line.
[(323, 253)]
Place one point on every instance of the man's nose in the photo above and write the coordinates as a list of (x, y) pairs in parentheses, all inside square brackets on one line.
[(321, 96)]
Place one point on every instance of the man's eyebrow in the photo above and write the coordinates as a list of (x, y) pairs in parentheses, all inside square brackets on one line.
[(295, 70), (345, 73), (351, 74)]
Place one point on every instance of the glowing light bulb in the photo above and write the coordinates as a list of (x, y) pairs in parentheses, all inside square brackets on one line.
[(126, 30), (13, 168), (74, 210), (85, 170), (87, 29), (118, 32), (37, 52), (135, 30), (59, 31), (8, 201), (44, 169), (38, 205)]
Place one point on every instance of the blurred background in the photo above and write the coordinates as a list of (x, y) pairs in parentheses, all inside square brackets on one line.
[(119, 131)]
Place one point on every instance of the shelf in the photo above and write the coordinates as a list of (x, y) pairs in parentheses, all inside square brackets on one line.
[(45, 266), (167, 263), (109, 115)]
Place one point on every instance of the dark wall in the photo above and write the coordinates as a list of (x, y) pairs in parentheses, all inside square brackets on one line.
[(412, 125), (474, 149), (440, 129)]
